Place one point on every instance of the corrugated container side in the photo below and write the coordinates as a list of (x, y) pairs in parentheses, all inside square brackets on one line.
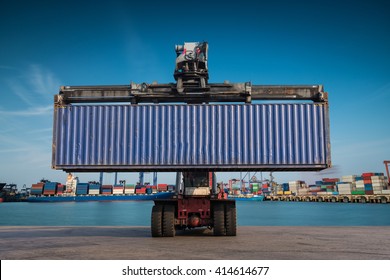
[(171, 137)]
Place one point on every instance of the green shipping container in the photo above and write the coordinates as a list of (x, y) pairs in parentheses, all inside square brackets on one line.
[(358, 192)]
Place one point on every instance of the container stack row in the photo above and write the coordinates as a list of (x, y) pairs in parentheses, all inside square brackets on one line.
[(140, 189), (94, 189), (129, 189), (255, 188), (82, 188), (154, 189), (106, 189), (283, 189), (347, 185), (37, 189), (117, 189), (47, 188), (60, 189), (325, 186), (265, 189), (50, 188), (296, 186), (366, 184), (162, 187)]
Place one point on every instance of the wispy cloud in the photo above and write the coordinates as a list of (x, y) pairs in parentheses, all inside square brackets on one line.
[(37, 111), (21, 92), (43, 81), (35, 86), (25, 123)]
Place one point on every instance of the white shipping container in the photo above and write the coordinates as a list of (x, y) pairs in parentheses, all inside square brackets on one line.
[(359, 184), (302, 191), (348, 178), (94, 192), (344, 192), (129, 191), (378, 181), (377, 177), (345, 185)]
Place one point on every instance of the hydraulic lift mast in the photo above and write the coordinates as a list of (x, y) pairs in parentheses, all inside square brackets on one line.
[(191, 74)]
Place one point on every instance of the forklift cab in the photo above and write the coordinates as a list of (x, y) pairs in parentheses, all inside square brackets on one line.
[(196, 183)]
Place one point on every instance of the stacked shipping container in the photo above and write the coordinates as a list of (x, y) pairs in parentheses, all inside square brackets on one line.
[(94, 189), (129, 189), (37, 189), (106, 189), (82, 188), (117, 189), (50, 188), (366, 184)]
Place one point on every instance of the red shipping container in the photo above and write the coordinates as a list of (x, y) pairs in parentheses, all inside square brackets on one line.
[(37, 186), (369, 192), (49, 192), (368, 174), (330, 180), (60, 188), (140, 191), (367, 181)]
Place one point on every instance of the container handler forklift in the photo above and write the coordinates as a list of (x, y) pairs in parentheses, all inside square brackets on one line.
[(198, 200)]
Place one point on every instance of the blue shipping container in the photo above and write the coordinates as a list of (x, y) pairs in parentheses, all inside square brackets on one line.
[(219, 137)]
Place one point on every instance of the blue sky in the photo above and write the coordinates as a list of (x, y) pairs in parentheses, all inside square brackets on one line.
[(344, 45)]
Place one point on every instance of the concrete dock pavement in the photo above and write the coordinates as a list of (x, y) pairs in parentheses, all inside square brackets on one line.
[(251, 243)]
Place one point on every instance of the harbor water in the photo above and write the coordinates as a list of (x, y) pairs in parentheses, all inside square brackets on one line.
[(249, 213)]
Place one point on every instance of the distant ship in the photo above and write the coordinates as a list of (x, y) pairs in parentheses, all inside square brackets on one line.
[(100, 197), (74, 191), (247, 197)]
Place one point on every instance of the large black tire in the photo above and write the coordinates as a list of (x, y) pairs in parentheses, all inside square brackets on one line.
[(169, 221), (230, 220), (219, 220), (157, 212)]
